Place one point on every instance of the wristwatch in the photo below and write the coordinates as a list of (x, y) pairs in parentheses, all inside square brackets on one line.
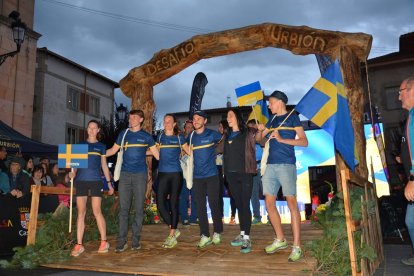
[(411, 178)]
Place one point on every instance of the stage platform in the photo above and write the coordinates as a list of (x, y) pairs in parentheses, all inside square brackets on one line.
[(186, 259)]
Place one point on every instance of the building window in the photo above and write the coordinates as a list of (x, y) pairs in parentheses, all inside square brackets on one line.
[(74, 134), (391, 94), (73, 98), (94, 106)]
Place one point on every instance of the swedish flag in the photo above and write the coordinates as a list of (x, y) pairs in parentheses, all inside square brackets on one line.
[(73, 156), (249, 94), (326, 105), (260, 112)]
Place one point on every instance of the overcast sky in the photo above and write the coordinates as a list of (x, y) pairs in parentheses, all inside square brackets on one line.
[(113, 36)]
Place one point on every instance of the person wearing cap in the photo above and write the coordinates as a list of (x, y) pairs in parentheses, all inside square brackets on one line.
[(205, 178), (285, 131), (187, 200), (18, 180)]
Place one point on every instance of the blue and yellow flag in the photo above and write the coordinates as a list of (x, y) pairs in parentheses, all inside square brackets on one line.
[(249, 94), (326, 105), (73, 156), (261, 111)]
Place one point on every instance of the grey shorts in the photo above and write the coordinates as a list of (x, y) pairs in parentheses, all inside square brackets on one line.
[(280, 175)]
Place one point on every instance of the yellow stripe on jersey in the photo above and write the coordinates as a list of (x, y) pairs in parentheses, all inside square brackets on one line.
[(282, 128), (169, 146), (135, 145), (204, 146), (95, 153)]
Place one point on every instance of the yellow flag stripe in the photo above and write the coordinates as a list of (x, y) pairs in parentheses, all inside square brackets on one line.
[(330, 107), (250, 98)]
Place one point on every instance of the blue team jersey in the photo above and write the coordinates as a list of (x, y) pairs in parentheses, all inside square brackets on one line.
[(170, 149), (203, 146), (93, 172), (280, 153), (135, 148)]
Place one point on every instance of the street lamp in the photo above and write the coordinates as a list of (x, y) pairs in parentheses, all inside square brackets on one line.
[(19, 30), (121, 116)]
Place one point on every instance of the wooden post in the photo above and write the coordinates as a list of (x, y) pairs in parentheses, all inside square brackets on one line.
[(349, 222), (34, 209), (71, 202)]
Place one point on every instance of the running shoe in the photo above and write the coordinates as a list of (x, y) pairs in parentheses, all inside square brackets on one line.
[(238, 241), (276, 246), (256, 221), (204, 242), (104, 247), (232, 221), (170, 242), (77, 250), (121, 247), (216, 238), (246, 246), (296, 254)]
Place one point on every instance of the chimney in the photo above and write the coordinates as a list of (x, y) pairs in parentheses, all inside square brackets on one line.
[(407, 43)]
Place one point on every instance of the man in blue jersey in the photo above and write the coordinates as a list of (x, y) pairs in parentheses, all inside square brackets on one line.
[(206, 182), (285, 132), (133, 180), (406, 96)]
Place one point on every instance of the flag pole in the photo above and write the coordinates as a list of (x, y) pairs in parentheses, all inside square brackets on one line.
[(71, 199), (254, 114)]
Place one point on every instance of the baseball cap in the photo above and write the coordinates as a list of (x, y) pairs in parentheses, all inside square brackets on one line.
[(200, 113)]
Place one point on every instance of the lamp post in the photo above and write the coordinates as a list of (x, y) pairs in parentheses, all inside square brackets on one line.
[(19, 31), (121, 116)]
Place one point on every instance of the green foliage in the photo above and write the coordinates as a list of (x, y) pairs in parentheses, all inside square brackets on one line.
[(332, 250), (53, 242)]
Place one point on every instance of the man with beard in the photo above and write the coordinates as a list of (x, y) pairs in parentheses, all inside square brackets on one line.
[(202, 142)]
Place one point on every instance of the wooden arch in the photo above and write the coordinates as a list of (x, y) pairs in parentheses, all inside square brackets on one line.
[(350, 48)]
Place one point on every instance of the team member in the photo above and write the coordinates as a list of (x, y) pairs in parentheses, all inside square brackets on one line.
[(286, 133), (170, 176), (133, 180), (239, 167), (88, 181), (206, 182)]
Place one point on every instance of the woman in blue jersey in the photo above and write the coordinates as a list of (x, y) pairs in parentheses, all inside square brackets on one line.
[(88, 182), (170, 176)]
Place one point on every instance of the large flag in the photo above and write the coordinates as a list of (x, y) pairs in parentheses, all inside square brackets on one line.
[(326, 105), (197, 93), (73, 156), (249, 94), (260, 112)]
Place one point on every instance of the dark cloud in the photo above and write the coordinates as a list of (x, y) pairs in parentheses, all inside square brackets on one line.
[(112, 37)]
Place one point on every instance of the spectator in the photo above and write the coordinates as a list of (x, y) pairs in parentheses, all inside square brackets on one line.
[(38, 176), (28, 169), (4, 183), (3, 157), (53, 172), (19, 181)]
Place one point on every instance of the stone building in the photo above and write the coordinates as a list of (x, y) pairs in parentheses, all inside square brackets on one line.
[(67, 96), (385, 76), (17, 73)]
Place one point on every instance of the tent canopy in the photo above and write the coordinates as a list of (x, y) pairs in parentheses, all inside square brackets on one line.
[(14, 142)]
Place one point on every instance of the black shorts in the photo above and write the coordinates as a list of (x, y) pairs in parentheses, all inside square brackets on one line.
[(89, 188)]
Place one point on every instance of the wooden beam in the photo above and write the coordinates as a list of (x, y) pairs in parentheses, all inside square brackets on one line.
[(34, 209)]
